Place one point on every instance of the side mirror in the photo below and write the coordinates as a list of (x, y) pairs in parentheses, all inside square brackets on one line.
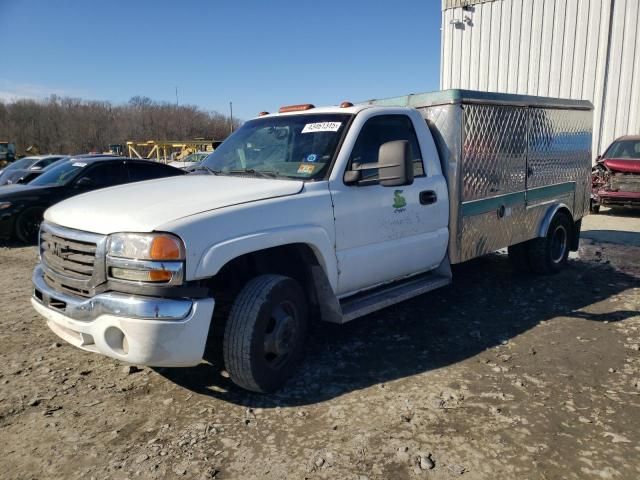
[(395, 164), (85, 182), (395, 167)]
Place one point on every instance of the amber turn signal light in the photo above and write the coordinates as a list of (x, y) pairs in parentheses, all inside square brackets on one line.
[(296, 108), (165, 248)]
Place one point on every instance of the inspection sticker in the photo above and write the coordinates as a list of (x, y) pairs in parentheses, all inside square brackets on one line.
[(79, 164), (321, 127), (306, 168)]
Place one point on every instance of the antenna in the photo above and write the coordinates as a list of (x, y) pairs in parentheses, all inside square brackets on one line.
[(176, 97), (231, 114)]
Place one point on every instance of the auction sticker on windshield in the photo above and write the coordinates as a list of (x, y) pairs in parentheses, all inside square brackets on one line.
[(321, 127)]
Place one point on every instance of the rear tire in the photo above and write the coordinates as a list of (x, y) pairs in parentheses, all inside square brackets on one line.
[(265, 333), (519, 257), (549, 254), (28, 225), (594, 208)]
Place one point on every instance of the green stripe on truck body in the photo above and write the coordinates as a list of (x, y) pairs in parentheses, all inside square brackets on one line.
[(485, 205)]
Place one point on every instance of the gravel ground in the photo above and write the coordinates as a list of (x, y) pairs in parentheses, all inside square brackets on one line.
[(499, 376)]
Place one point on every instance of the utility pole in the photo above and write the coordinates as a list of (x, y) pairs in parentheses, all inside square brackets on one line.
[(176, 97), (231, 116)]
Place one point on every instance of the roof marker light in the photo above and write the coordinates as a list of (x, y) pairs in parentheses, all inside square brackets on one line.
[(262, 114), (296, 108), (346, 105)]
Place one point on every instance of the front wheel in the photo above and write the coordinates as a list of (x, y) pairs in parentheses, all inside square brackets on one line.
[(265, 333), (28, 225)]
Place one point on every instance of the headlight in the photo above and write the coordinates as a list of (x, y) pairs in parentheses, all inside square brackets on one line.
[(146, 258), (5, 205)]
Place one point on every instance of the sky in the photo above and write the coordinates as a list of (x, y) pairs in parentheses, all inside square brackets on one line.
[(257, 54)]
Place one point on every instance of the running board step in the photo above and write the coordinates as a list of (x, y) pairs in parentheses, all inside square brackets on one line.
[(367, 302)]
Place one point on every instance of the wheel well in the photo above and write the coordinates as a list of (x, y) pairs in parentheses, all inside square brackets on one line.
[(292, 260)]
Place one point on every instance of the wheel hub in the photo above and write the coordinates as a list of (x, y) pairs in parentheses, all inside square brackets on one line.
[(280, 333)]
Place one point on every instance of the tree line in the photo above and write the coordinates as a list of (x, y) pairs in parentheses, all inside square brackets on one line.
[(71, 125)]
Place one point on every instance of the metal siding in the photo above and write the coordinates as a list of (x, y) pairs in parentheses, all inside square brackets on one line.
[(601, 67), (579, 49), (456, 45), (503, 50), (612, 88), (568, 48), (514, 46), (525, 47), (626, 68), (634, 107), (557, 48), (476, 41), (494, 59), (485, 48), (465, 69), (547, 41), (535, 47), (591, 49)]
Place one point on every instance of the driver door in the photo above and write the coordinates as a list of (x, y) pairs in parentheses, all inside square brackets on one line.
[(387, 233)]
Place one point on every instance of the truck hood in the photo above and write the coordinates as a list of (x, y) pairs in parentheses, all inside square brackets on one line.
[(623, 165), (145, 206)]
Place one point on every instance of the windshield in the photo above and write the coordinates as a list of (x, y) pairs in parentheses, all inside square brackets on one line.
[(291, 146), (59, 174), (624, 149), (194, 157), (21, 164)]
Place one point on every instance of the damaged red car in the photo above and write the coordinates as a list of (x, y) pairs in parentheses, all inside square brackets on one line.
[(615, 179)]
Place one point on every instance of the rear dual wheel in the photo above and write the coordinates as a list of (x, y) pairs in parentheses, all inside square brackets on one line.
[(544, 255)]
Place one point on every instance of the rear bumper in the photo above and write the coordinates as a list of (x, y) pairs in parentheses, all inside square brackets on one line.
[(135, 329), (619, 198)]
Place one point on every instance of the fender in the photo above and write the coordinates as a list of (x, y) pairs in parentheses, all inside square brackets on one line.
[(216, 256), (548, 217)]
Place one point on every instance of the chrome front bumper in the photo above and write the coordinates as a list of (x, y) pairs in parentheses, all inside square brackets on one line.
[(118, 304), (136, 329)]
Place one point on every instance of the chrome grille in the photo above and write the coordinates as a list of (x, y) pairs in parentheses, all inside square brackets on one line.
[(73, 261), (70, 257)]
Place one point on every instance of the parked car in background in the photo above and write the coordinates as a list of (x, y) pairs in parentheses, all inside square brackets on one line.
[(22, 167), (31, 174), (616, 176), (190, 162), (22, 206)]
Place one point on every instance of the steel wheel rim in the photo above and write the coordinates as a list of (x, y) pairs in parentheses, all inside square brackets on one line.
[(280, 334), (558, 244)]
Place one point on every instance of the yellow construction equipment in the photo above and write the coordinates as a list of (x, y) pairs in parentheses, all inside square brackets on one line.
[(168, 150)]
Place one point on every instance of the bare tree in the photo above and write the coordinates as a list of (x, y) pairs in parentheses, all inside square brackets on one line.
[(72, 125)]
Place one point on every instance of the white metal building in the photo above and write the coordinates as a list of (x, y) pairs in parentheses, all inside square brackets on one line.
[(581, 49)]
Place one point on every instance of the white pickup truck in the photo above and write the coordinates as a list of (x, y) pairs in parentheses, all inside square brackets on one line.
[(313, 213)]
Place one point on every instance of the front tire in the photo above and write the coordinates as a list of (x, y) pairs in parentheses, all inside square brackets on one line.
[(549, 254), (28, 225), (265, 333)]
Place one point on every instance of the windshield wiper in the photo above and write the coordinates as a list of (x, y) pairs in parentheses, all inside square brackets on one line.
[(207, 169), (251, 171)]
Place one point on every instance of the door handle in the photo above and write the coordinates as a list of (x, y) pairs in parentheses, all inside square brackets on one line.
[(427, 197)]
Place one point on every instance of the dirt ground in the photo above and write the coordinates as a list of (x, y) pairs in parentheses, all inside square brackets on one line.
[(498, 376)]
